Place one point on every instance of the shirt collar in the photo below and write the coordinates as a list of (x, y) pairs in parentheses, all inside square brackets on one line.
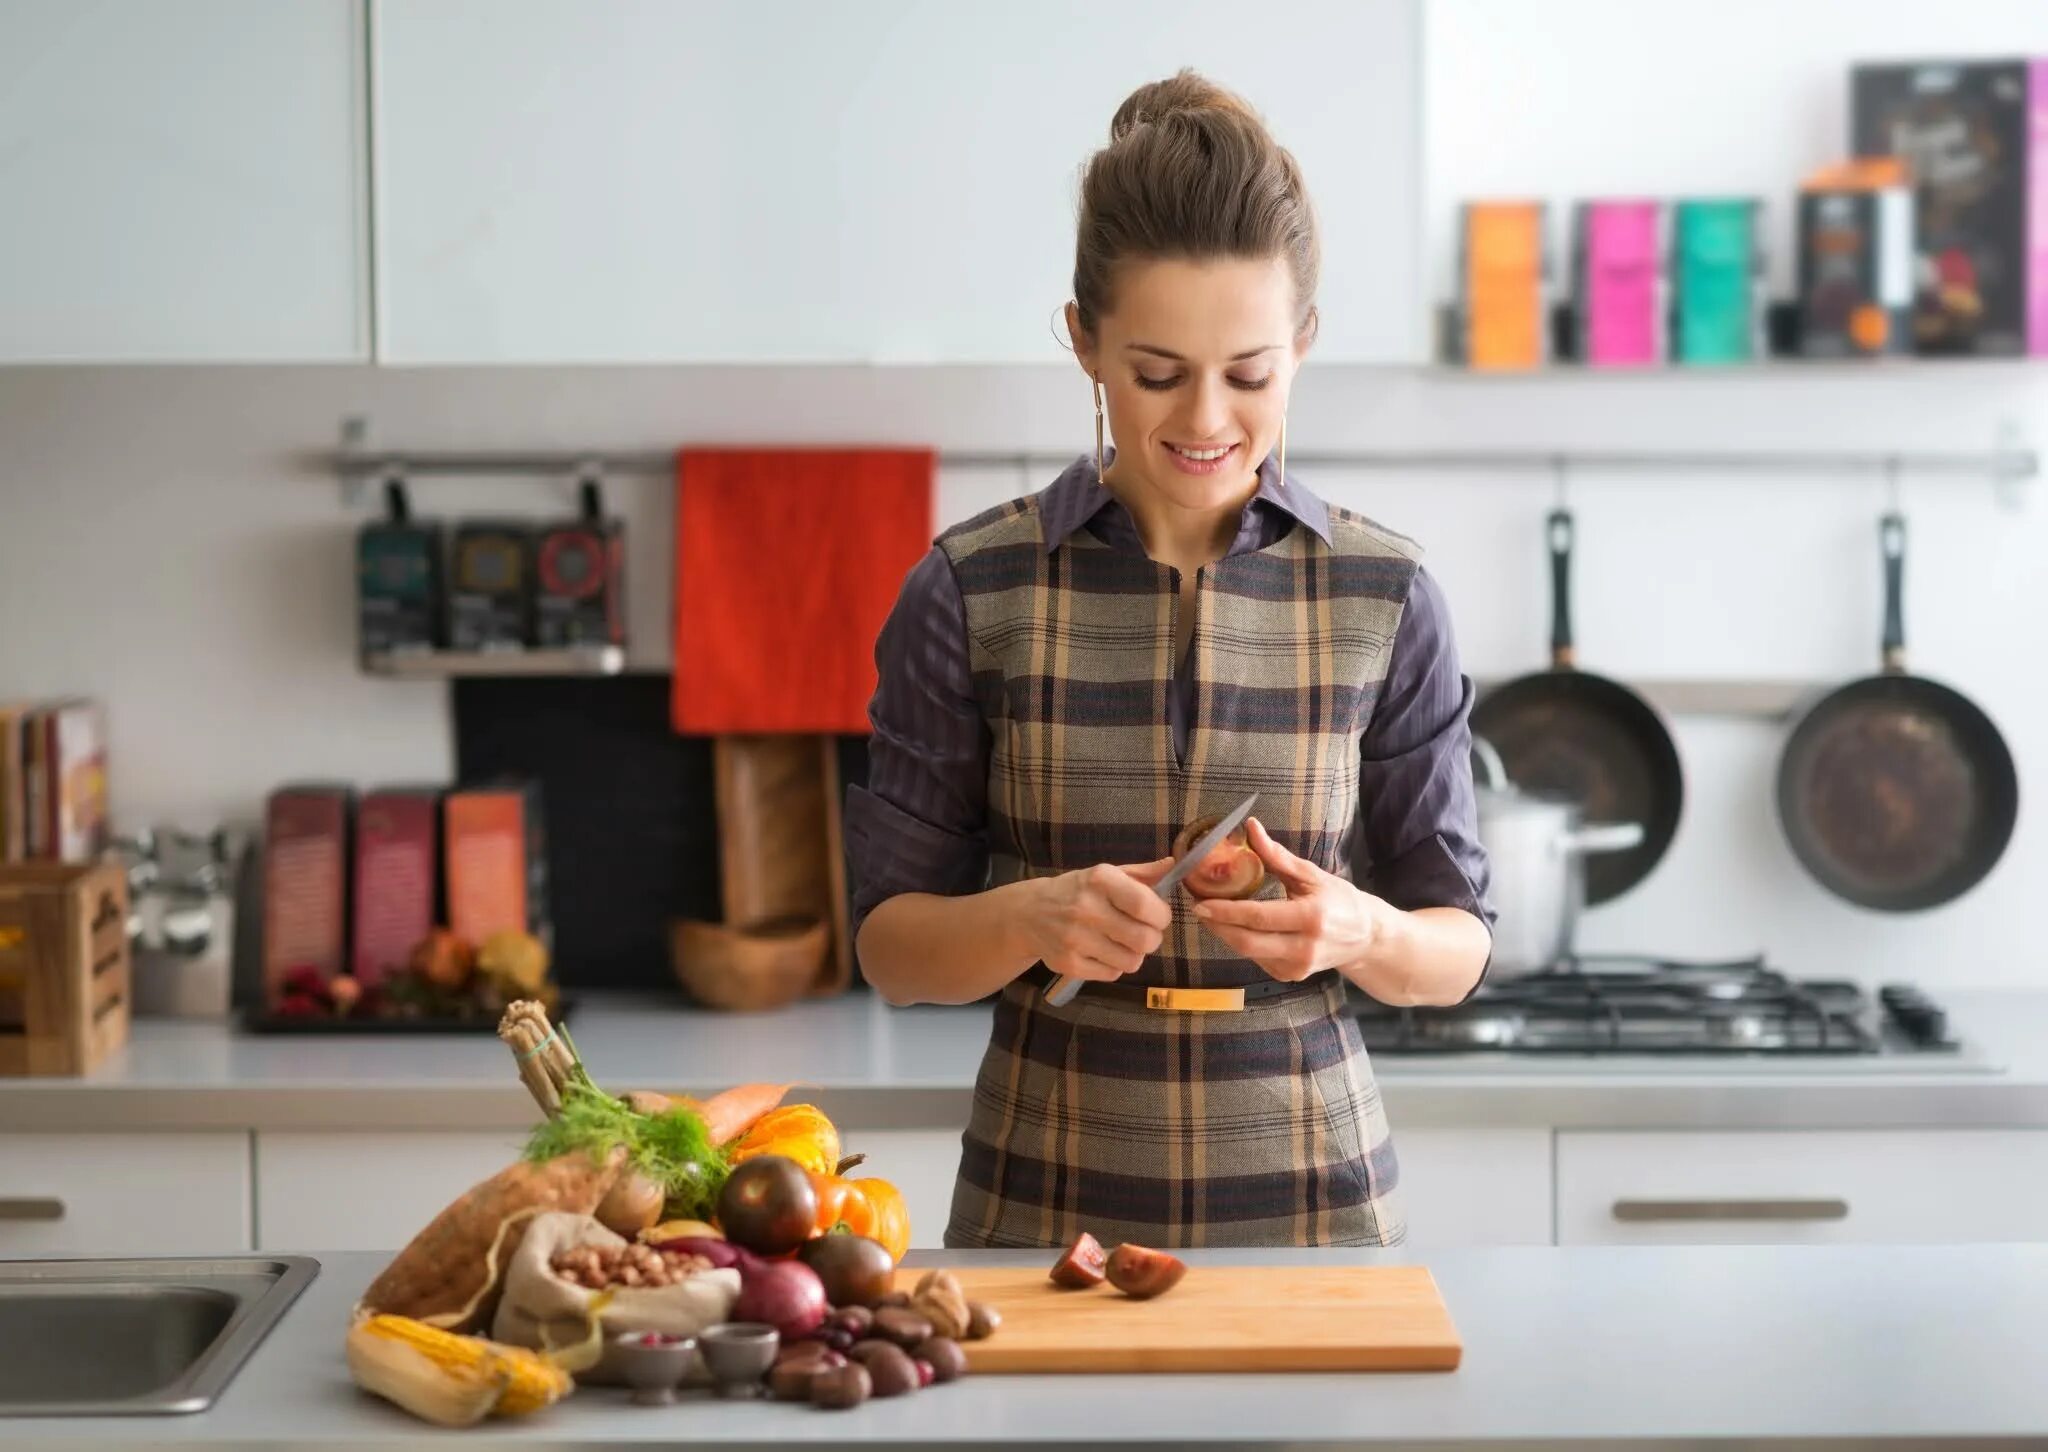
[(1078, 495)]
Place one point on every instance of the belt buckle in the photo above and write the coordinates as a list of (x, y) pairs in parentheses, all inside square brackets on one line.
[(1196, 1000)]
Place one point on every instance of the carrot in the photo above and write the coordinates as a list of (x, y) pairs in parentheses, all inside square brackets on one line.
[(732, 1112), (727, 1114)]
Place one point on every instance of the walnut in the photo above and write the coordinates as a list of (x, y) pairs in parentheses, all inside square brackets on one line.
[(939, 1299)]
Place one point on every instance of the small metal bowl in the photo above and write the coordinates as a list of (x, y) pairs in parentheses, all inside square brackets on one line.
[(652, 1364), (739, 1355)]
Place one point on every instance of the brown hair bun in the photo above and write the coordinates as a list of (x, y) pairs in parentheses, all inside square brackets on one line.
[(1191, 172)]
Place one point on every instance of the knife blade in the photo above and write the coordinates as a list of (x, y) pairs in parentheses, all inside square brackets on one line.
[(1066, 987)]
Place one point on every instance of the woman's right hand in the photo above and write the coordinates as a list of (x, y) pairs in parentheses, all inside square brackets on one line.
[(1098, 923)]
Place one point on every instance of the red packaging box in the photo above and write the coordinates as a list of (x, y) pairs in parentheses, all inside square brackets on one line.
[(305, 882), (397, 872)]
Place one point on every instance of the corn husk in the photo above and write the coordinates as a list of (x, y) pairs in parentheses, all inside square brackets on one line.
[(448, 1394)]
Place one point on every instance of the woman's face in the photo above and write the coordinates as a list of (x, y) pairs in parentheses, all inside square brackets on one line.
[(1195, 361)]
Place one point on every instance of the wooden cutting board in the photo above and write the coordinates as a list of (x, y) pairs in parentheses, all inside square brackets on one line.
[(1219, 1318)]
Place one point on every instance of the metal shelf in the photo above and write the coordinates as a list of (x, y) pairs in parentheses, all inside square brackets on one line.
[(592, 660), (2007, 465), (1772, 369)]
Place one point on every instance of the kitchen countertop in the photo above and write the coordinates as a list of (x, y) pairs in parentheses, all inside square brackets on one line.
[(1611, 1347), (877, 1068)]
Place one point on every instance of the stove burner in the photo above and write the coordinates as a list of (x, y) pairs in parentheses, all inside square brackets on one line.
[(1607, 1004)]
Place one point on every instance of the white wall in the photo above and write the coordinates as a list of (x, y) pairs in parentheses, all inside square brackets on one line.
[(161, 545)]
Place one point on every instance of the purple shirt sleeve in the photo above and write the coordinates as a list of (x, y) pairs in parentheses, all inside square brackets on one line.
[(920, 824), (1418, 820)]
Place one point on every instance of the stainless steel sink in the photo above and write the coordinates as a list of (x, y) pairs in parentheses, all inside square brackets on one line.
[(106, 1338)]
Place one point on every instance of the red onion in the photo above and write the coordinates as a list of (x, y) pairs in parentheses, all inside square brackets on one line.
[(785, 1294)]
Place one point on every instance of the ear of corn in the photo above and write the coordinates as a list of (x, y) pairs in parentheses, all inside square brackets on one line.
[(450, 1380)]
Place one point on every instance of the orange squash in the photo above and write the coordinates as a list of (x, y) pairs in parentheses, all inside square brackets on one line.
[(865, 1206), (796, 1131)]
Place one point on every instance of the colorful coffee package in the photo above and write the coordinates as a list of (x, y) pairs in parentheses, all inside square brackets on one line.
[(1618, 284), (1964, 131)]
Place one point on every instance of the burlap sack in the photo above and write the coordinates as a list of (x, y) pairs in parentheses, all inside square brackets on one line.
[(540, 1309)]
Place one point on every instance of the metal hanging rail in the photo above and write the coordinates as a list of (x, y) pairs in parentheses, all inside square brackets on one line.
[(2007, 465)]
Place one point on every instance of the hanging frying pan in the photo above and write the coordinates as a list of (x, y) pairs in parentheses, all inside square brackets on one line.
[(1589, 740), (1894, 791)]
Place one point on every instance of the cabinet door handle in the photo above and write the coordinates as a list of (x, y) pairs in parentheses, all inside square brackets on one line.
[(1653, 1210), (31, 1207)]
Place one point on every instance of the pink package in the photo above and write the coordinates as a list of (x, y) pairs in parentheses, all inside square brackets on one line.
[(395, 879), (2037, 207), (1623, 268)]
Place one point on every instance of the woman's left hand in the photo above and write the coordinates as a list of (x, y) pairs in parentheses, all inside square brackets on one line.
[(1323, 923)]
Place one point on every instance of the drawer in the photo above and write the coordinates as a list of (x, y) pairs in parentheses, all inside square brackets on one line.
[(319, 1191), (1475, 1186), (1795, 1186), (124, 1194)]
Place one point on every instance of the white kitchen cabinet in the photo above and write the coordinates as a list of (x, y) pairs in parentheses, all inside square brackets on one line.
[(799, 181), (1475, 1186), (320, 1191), (183, 183), (124, 1194), (313, 1187), (1856, 1186)]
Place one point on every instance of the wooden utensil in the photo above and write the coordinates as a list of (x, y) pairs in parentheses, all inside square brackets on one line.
[(1219, 1319), (749, 967), (778, 838)]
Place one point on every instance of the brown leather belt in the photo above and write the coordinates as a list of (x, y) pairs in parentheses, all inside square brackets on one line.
[(1190, 1000)]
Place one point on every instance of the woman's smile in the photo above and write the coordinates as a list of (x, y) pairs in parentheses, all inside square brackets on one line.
[(1204, 458)]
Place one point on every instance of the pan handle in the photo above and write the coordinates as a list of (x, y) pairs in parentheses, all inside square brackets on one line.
[(1603, 837), (1562, 531), (1891, 538), (1491, 771)]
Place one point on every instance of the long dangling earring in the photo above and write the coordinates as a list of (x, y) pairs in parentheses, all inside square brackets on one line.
[(1098, 431), (1283, 448)]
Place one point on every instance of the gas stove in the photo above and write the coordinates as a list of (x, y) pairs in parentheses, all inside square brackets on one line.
[(1616, 1005)]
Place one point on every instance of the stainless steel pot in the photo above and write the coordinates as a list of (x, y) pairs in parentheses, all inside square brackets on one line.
[(1537, 846)]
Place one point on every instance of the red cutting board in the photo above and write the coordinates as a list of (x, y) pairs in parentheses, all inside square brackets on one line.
[(1219, 1318)]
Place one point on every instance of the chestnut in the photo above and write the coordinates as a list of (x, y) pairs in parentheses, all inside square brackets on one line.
[(856, 1321), (891, 1370), (905, 1328), (791, 1379), (947, 1361), (839, 1387)]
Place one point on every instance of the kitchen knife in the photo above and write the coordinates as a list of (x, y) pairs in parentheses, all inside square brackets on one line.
[(1064, 990)]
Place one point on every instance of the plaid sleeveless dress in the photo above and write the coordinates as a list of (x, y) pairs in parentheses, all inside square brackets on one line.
[(1259, 1127)]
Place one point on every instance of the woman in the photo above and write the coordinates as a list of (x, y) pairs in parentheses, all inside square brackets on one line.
[(1070, 678)]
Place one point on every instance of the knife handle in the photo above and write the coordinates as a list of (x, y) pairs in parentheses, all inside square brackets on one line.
[(1063, 991)]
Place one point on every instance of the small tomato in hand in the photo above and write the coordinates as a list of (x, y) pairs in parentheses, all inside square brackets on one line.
[(1231, 870)]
